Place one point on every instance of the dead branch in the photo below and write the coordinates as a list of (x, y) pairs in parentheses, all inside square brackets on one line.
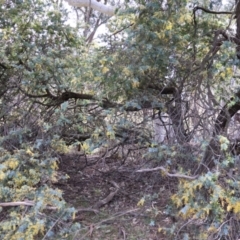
[(109, 198), (22, 203), (32, 203), (167, 173)]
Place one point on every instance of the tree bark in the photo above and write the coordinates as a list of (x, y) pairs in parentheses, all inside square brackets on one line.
[(213, 150), (237, 16), (100, 7)]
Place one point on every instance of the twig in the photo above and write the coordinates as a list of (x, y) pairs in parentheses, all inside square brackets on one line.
[(114, 184), (185, 224), (87, 210), (83, 237), (123, 232), (117, 215), (91, 228), (220, 228), (52, 226), (200, 166), (122, 29), (167, 173)]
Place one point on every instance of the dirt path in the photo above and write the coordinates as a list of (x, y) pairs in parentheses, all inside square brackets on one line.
[(121, 215)]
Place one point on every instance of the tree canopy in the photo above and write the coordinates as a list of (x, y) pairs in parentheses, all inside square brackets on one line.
[(158, 89)]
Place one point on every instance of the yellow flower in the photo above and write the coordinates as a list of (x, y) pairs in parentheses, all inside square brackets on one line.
[(29, 152), (85, 147), (141, 202), (12, 163), (110, 134), (229, 208), (229, 71), (2, 175), (105, 70), (97, 78), (223, 139), (135, 84), (212, 229), (168, 26), (38, 67), (126, 71), (236, 208), (54, 165)]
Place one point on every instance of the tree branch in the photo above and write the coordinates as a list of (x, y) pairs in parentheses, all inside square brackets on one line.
[(100, 7), (209, 11)]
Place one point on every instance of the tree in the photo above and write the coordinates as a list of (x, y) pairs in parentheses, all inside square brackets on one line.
[(175, 63), (37, 53)]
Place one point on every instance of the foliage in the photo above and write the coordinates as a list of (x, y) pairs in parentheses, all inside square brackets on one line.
[(37, 53), (168, 68), (25, 176), (164, 50), (208, 199)]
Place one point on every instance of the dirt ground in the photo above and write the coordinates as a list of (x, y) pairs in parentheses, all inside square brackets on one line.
[(107, 195)]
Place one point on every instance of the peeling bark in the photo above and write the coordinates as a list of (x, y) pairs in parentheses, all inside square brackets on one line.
[(102, 8)]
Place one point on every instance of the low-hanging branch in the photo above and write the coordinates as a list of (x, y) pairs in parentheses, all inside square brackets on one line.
[(104, 103), (210, 11), (207, 11)]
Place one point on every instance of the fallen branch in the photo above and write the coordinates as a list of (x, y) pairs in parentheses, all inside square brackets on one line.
[(22, 203), (13, 204), (167, 173), (109, 198), (32, 203)]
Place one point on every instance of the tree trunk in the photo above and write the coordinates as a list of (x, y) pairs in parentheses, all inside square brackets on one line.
[(213, 150), (100, 7)]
